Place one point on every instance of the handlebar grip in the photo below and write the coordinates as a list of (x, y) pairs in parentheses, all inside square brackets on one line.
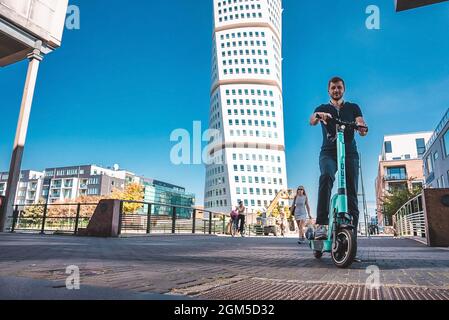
[(362, 127)]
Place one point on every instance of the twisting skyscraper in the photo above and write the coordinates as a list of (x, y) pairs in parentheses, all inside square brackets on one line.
[(246, 106)]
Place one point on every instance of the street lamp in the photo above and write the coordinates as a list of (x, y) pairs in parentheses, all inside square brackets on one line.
[(29, 29)]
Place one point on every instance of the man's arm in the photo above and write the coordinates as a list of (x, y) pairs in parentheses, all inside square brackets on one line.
[(361, 122)]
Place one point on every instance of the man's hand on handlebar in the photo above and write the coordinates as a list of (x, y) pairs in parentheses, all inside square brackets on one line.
[(323, 117), (363, 128)]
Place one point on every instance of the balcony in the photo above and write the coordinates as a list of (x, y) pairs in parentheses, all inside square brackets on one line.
[(395, 177)]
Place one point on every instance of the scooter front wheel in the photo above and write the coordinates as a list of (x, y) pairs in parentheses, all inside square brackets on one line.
[(344, 249)]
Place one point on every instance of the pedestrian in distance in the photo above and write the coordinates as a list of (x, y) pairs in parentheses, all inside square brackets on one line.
[(301, 211), (241, 210), (234, 221), (283, 223)]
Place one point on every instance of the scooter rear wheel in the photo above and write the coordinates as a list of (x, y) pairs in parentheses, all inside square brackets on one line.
[(344, 249)]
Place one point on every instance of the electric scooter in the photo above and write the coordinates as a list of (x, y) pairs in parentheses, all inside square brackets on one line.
[(341, 243)]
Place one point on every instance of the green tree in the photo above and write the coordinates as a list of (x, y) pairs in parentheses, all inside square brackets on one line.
[(276, 211), (133, 192), (394, 200)]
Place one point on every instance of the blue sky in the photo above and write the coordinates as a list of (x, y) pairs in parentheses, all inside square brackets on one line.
[(121, 84)]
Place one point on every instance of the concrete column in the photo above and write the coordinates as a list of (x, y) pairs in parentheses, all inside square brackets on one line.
[(35, 58)]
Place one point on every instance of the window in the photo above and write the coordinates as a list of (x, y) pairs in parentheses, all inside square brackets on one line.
[(420, 146), (429, 164), (388, 148), (396, 173), (92, 191), (435, 156), (446, 143)]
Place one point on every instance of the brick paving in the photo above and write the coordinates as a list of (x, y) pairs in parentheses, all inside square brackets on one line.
[(210, 267)]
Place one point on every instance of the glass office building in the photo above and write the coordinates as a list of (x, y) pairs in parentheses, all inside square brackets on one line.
[(165, 195)]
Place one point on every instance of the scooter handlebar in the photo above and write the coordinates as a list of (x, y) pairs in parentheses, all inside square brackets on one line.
[(340, 122)]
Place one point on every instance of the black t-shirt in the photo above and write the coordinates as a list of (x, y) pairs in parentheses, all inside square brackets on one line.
[(349, 112)]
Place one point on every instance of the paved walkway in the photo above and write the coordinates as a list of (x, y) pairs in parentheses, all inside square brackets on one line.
[(209, 267)]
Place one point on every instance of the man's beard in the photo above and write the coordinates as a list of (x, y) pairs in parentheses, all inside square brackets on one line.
[(337, 96)]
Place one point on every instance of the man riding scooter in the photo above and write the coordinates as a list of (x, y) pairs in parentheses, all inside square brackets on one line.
[(349, 112)]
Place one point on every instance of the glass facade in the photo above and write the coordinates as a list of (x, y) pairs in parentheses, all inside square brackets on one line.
[(161, 193)]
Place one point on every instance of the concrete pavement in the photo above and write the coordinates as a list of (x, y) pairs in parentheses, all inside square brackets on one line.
[(210, 267)]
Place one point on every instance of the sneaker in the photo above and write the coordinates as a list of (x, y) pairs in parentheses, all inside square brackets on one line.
[(321, 233), (299, 242)]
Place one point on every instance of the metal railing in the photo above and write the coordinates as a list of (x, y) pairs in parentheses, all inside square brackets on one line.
[(410, 220), (191, 221), (395, 177), (52, 217), (145, 218)]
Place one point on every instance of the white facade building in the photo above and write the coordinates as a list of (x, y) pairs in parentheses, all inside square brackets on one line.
[(28, 188), (404, 146), (246, 108)]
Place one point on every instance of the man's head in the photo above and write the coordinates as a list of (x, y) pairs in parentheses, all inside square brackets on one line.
[(336, 88)]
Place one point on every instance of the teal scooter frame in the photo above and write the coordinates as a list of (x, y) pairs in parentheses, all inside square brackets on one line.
[(341, 241)]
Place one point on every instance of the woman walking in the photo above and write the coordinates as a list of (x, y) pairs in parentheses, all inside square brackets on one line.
[(301, 211)]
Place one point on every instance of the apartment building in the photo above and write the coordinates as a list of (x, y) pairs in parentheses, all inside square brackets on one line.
[(28, 188), (400, 166)]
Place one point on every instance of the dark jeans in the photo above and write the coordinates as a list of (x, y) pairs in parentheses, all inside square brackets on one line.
[(241, 222), (328, 168)]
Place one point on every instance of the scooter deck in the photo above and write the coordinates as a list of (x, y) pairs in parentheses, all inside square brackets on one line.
[(321, 245)]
